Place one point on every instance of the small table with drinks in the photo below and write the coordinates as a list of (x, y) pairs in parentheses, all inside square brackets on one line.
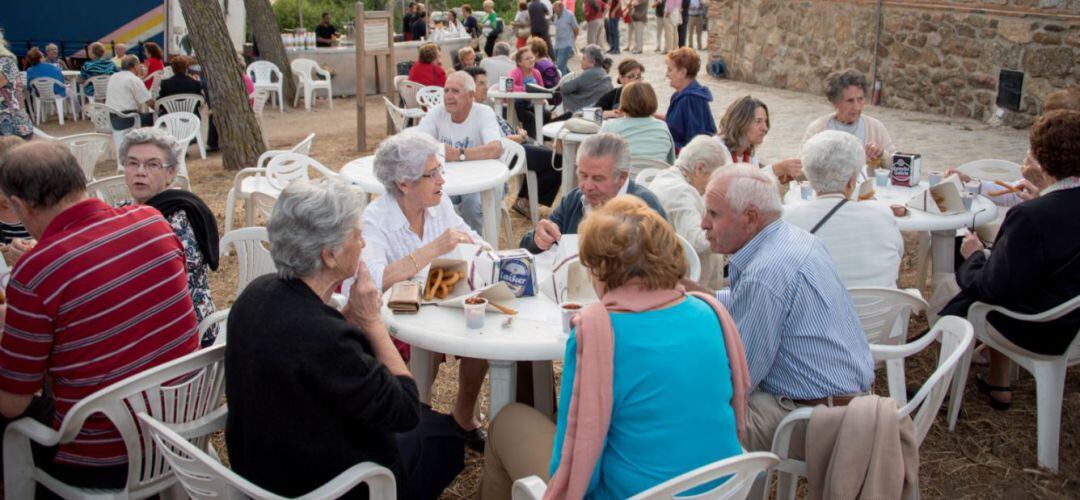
[(538, 100)]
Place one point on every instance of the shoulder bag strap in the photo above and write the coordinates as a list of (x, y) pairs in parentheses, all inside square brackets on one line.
[(828, 216)]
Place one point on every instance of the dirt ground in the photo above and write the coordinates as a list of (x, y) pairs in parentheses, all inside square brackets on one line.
[(990, 454)]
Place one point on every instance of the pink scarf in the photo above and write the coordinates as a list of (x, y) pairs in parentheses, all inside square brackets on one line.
[(589, 412)]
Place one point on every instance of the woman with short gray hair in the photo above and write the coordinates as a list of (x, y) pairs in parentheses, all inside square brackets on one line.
[(334, 374), (411, 227), (681, 190), (862, 238), (847, 90), (590, 84), (150, 157)]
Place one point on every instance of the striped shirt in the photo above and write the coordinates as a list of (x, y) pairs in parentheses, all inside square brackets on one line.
[(102, 297), (12, 230), (802, 336)]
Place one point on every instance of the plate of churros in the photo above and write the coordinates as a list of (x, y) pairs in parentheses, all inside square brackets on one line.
[(443, 282), (1006, 188)]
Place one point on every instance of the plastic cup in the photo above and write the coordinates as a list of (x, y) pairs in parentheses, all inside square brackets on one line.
[(968, 199), (881, 177), (806, 190), (475, 309), (935, 178), (569, 310), (973, 187)]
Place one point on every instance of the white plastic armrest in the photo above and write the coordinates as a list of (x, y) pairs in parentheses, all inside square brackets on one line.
[(1045, 316), (267, 155), (36, 431), (322, 72), (203, 426), (245, 173), (348, 480), (782, 439), (529, 488)]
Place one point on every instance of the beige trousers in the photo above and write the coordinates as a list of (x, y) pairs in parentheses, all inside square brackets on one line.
[(637, 36), (518, 445), (693, 31), (593, 29), (671, 34)]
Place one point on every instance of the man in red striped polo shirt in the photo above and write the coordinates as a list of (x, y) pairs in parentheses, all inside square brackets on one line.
[(102, 297)]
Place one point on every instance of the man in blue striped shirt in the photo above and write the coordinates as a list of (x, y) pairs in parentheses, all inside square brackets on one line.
[(804, 344)]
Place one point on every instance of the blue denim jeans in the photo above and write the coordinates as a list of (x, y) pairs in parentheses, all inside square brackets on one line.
[(613, 34), (562, 56)]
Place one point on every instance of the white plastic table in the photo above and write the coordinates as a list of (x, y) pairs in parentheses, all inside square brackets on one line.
[(535, 334), (942, 228), (538, 99), (569, 155), (462, 177)]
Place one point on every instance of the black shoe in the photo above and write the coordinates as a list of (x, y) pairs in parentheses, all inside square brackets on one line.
[(986, 388), (474, 439)]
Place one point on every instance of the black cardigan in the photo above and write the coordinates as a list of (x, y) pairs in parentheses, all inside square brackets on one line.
[(1034, 266), (306, 398)]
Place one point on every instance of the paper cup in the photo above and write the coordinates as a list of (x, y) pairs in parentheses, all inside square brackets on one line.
[(806, 190), (973, 187), (935, 178), (881, 177), (968, 199), (506, 84), (474, 313), (569, 310)]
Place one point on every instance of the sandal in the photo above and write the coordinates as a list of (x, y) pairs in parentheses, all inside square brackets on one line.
[(521, 206), (985, 388)]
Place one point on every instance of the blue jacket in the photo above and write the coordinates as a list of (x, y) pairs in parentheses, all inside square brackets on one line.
[(45, 70), (688, 115), (570, 212)]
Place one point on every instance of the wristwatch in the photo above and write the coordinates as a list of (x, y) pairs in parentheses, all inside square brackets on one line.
[(461, 156)]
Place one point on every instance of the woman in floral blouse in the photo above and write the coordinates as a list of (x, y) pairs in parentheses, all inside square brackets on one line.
[(150, 157), (13, 118)]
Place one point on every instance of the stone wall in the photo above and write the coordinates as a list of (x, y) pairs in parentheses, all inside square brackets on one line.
[(934, 56)]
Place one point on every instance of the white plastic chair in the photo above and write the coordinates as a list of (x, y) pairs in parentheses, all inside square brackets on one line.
[(88, 149), (429, 96), (45, 99), (112, 190), (184, 127), (637, 165), (693, 261), (252, 254), (646, 176), (397, 116), (409, 91), (514, 153), (287, 167), (117, 133), (302, 69), (991, 170), (741, 471), (267, 76), (258, 102), (203, 477), (253, 179), (100, 84), (219, 318), (188, 390), (1049, 372), (884, 314), (188, 103), (956, 337), (155, 82)]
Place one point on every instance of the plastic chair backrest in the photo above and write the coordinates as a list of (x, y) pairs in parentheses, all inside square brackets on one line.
[(639, 164), (219, 318), (100, 84), (956, 337), (430, 96), (263, 72), (287, 167), (263, 203), (167, 73), (188, 103), (646, 176), (513, 153), (978, 311), (884, 312), (258, 101), (992, 170), (99, 116), (741, 471), (184, 390), (302, 68), (397, 115), (45, 88), (112, 190), (181, 125), (155, 82), (87, 149), (693, 261), (408, 90), (204, 477), (563, 79), (252, 252), (304, 147)]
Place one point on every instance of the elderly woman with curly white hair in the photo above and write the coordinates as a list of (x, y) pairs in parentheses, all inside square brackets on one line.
[(312, 390), (861, 237), (411, 226), (680, 190)]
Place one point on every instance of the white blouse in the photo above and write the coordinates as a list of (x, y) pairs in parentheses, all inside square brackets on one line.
[(388, 237)]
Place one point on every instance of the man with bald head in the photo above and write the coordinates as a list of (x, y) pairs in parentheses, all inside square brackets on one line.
[(804, 343), (468, 130), (102, 297)]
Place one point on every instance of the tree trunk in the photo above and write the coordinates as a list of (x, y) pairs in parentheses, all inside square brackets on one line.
[(239, 134), (267, 33)]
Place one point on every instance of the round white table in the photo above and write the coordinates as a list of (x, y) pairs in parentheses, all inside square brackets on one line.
[(462, 177), (569, 154), (942, 228), (538, 99), (534, 334)]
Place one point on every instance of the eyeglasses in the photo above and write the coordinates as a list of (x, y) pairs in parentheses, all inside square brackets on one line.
[(149, 165), (441, 172)]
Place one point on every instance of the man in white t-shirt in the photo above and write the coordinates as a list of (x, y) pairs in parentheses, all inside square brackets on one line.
[(468, 131), (127, 93)]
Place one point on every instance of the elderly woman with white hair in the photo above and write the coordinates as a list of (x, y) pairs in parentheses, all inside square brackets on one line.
[(150, 157), (680, 190), (590, 84), (847, 90), (862, 237), (312, 390), (411, 226)]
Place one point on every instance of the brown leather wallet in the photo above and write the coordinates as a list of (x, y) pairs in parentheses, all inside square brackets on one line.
[(404, 297)]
